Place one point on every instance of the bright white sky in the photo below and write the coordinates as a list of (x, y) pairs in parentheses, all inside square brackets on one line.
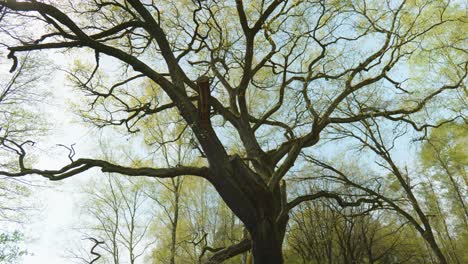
[(50, 230)]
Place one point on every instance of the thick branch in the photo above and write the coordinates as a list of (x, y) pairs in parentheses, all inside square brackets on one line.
[(230, 252), (336, 197), (82, 165)]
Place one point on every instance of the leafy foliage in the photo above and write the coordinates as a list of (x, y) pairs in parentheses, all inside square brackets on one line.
[(11, 249)]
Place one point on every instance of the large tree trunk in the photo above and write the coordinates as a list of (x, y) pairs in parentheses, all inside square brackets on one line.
[(257, 207), (267, 242)]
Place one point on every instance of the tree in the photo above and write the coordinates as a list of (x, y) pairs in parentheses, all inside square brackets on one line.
[(17, 122), (444, 164), (10, 248), (440, 219), (369, 135), (115, 214), (204, 225), (281, 73), (444, 156), (404, 187), (193, 222), (321, 233)]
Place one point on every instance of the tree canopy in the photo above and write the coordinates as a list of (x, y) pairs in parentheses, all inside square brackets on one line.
[(274, 80)]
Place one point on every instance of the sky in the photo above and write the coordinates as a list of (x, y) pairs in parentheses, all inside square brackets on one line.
[(51, 231), (48, 229), (52, 228)]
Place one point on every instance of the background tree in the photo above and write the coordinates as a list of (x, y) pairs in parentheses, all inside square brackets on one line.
[(116, 213), (18, 121), (282, 74), (444, 164), (400, 189), (11, 249), (321, 232), (193, 222), (444, 156)]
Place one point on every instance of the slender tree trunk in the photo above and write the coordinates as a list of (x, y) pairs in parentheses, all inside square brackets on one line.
[(458, 192), (246, 256), (176, 185), (444, 223), (175, 222), (435, 247), (427, 232)]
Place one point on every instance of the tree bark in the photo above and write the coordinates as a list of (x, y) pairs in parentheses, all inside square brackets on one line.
[(267, 242), (428, 235), (175, 222), (257, 207)]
